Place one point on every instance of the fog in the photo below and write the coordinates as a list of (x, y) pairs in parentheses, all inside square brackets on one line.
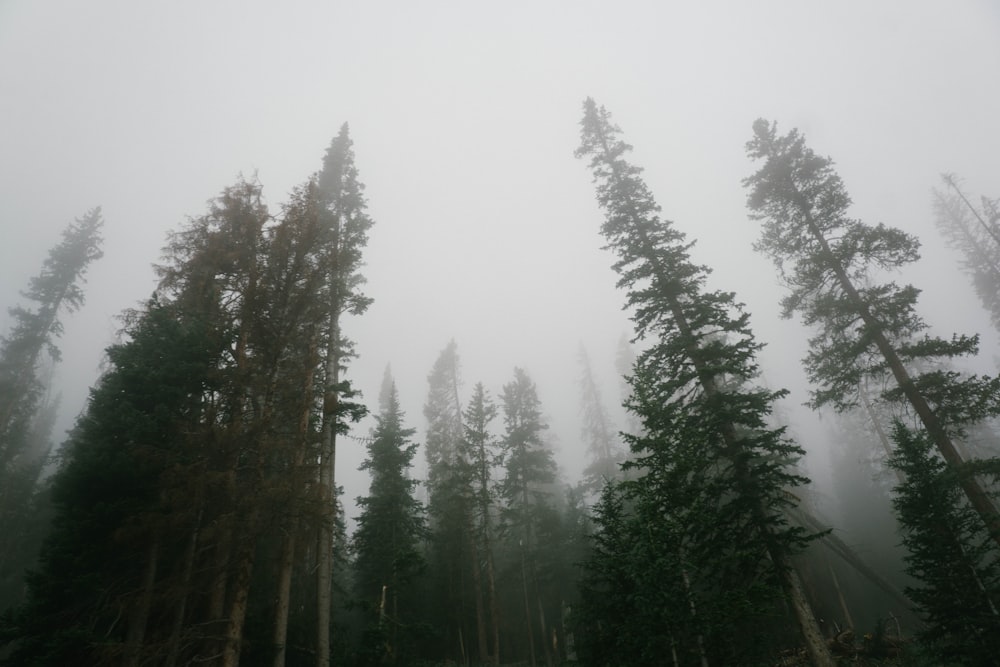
[(464, 120)]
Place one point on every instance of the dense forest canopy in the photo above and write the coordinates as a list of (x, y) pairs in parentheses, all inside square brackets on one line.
[(420, 399)]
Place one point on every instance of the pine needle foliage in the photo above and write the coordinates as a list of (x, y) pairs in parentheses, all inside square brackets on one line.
[(951, 554), (711, 468)]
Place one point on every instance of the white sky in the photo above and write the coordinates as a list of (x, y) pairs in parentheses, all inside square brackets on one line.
[(464, 117)]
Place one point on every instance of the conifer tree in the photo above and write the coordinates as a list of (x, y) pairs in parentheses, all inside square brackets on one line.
[(951, 555), (479, 449), (866, 329), (525, 490), (709, 465), (449, 508), (344, 223), (598, 432), (56, 289), (974, 232), (386, 542)]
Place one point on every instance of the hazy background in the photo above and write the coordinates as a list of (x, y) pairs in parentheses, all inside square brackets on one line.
[(464, 117)]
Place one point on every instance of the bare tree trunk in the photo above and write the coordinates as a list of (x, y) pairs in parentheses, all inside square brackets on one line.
[(816, 645), (477, 586), (284, 597), (840, 597), (527, 609), (327, 495), (494, 605), (694, 614)]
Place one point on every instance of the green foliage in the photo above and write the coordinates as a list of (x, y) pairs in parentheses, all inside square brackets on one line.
[(831, 264), (528, 463), (107, 480), (711, 473), (25, 411), (386, 542), (951, 555)]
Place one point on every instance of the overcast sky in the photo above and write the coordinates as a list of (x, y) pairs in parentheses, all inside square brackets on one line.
[(465, 117)]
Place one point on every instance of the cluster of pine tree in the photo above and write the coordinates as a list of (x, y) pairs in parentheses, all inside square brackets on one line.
[(193, 516)]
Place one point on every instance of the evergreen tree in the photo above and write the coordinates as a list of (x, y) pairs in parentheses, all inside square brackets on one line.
[(344, 223), (711, 470), (56, 288), (598, 432), (386, 542), (201, 437), (479, 448), (449, 508), (951, 555), (93, 559), (866, 329), (24, 410), (527, 510), (976, 234)]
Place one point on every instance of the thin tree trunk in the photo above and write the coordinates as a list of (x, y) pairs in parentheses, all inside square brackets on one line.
[(527, 609), (287, 563), (187, 571), (140, 614), (492, 593), (840, 597), (283, 602), (694, 614), (242, 572), (546, 644), (477, 586), (327, 495)]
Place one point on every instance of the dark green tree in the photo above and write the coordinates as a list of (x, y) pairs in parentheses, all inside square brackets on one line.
[(866, 329), (386, 544), (951, 555), (709, 465), (82, 591)]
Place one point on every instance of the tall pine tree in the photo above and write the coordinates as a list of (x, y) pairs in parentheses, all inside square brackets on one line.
[(866, 329), (710, 465)]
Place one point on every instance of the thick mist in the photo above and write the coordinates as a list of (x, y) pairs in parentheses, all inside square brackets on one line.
[(464, 122)]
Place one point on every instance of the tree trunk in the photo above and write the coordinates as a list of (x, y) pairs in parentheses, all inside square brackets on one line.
[(477, 591), (284, 595), (241, 574), (327, 495), (849, 622), (527, 609), (187, 571), (819, 652), (494, 605), (140, 613)]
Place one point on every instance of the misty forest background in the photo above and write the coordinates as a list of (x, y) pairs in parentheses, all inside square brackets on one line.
[(632, 466)]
